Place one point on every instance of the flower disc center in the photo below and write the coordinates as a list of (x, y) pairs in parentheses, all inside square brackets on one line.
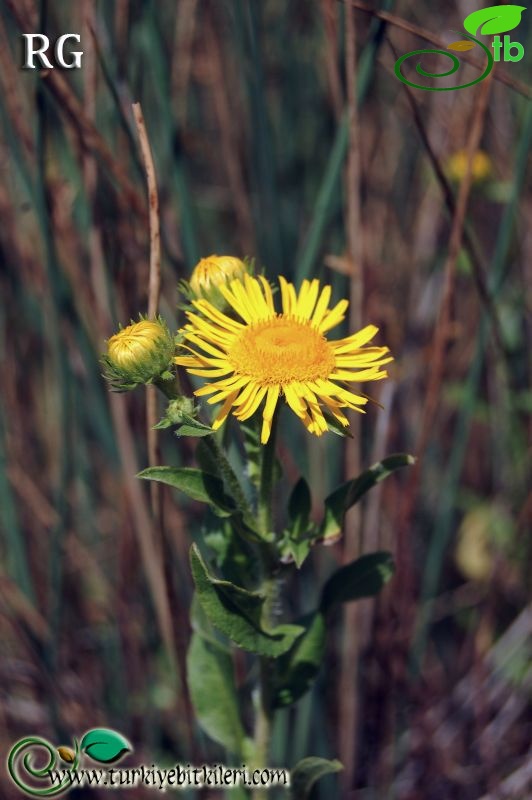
[(281, 350)]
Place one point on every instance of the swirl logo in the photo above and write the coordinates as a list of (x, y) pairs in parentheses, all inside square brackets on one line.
[(486, 21), (22, 764), (32, 774)]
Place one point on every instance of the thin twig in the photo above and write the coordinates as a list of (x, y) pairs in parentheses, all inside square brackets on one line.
[(153, 203), (154, 292)]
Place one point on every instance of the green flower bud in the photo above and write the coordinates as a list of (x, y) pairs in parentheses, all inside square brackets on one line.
[(139, 354), (212, 272)]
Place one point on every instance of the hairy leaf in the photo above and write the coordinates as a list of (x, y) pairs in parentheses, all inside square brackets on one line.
[(212, 690), (298, 668), (193, 427), (364, 577), (307, 772), (350, 492), (195, 483), (237, 612)]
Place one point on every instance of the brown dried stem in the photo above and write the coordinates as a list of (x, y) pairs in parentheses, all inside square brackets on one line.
[(154, 292)]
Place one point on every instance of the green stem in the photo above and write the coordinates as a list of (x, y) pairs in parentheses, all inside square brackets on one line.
[(263, 719), (170, 389), (263, 722), (229, 475), (264, 509)]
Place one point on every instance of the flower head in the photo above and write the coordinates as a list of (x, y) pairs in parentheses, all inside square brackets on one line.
[(211, 273), (139, 353), (481, 166), (269, 355)]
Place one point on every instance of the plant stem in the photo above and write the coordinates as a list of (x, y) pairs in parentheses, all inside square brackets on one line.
[(171, 388), (263, 720), (228, 473), (264, 510)]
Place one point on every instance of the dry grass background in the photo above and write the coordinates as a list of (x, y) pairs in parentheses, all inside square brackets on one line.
[(260, 149)]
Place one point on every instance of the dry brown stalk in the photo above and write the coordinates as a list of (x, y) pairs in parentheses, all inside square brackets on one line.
[(154, 291)]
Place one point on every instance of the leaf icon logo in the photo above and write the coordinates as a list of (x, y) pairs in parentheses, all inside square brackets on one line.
[(493, 20), (104, 745)]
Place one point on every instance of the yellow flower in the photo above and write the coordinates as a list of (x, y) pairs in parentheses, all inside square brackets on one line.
[(481, 166), (269, 355), (212, 272), (139, 353)]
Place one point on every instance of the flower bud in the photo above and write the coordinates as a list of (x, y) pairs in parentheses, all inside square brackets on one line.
[(215, 271), (139, 354), (481, 166)]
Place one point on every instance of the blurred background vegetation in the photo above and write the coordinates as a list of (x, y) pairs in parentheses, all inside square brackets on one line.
[(261, 150)]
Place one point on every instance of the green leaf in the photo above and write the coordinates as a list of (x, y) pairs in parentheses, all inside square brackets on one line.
[(104, 745), (193, 427), (307, 772), (237, 612), (364, 577), (301, 533), (350, 492), (210, 681), (295, 551), (297, 669), (299, 506), (194, 483), (336, 427), (163, 424), (206, 460), (496, 19)]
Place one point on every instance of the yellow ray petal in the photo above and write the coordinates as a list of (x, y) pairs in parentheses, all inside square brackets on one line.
[(321, 307), (334, 317), (364, 375), (271, 402), (217, 316), (356, 340), (191, 337), (294, 401), (254, 401), (267, 293), (224, 411), (235, 303)]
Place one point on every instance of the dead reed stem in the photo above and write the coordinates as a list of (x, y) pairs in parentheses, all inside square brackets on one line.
[(154, 291)]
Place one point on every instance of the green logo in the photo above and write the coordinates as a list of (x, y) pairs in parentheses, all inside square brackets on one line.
[(100, 744), (485, 21)]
